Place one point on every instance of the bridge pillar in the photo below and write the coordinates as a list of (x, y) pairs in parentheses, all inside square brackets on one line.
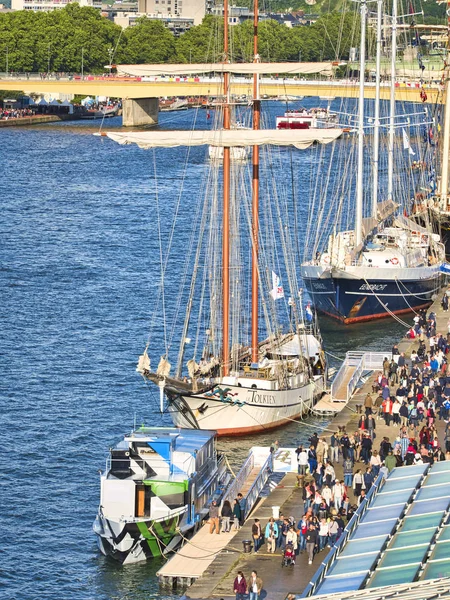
[(139, 111)]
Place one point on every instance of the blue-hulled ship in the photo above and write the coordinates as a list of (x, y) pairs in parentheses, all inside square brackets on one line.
[(395, 271), (155, 490), (387, 264)]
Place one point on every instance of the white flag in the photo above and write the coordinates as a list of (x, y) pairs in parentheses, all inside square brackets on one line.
[(406, 144), (277, 289)]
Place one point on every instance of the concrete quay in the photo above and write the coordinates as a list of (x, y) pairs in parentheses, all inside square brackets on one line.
[(37, 120), (217, 580)]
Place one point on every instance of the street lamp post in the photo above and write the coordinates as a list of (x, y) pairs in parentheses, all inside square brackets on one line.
[(7, 60), (299, 56), (48, 61), (110, 52), (82, 64)]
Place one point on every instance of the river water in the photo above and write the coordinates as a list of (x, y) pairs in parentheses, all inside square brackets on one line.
[(75, 280)]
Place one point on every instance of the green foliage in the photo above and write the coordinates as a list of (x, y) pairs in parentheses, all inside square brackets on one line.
[(55, 41), (202, 43), (61, 39), (147, 42), (10, 95)]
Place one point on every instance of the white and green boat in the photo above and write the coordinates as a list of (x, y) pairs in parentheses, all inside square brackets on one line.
[(155, 491)]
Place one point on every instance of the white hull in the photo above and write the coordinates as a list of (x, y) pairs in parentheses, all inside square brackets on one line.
[(244, 409)]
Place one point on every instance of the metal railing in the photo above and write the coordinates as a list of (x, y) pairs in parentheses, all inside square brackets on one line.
[(362, 361), (253, 493), (235, 486)]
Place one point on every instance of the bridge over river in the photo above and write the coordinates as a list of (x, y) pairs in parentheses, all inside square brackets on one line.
[(140, 95)]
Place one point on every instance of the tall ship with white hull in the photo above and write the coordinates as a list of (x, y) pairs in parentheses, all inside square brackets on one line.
[(388, 264), (249, 356)]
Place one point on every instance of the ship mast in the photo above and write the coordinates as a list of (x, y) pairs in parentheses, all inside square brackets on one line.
[(390, 190), (446, 145), (226, 209), (255, 190), (376, 131), (359, 188)]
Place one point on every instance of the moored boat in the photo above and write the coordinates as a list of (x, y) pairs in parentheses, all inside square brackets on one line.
[(256, 361), (388, 264), (306, 119), (155, 490)]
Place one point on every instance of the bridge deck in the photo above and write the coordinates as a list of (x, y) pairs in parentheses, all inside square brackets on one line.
[(115, 88)]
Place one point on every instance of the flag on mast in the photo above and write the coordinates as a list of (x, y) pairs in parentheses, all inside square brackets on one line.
[(277, 291), (406, 144)]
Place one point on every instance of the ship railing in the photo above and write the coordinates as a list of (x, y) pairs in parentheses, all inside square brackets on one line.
[(237, 484), (312, 587), (261, 480)]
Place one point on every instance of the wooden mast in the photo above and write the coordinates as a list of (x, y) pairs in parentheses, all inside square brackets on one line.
[(255, 190), (226, 209)]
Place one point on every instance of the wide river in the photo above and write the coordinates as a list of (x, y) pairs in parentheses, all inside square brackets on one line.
[(75, 280)]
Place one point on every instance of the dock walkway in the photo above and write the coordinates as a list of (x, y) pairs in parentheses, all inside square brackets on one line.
[(217, 581), (192, 560)]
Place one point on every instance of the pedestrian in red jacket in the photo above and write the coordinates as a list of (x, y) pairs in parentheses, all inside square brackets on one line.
[(240, 586)]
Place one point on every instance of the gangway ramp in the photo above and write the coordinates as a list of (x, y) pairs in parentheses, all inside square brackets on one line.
[(340, 394), (192, 560)]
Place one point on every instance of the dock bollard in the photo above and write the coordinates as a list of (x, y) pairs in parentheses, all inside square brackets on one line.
[(247, 546)]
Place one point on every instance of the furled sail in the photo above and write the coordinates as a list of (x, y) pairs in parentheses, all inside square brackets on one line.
[(300, 138), (163, 369), (143, 362), (300, 68)]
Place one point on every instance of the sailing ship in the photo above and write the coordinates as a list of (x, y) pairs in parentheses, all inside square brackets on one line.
[(245, 374), (388, 264), (155, 491)]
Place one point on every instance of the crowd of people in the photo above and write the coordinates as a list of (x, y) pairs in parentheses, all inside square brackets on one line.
[(409, 395), (16, 113)]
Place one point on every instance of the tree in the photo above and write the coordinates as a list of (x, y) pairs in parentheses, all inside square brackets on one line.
[(148, 42)]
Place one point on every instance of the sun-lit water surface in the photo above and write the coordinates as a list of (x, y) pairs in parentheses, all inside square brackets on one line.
[(77, 270)]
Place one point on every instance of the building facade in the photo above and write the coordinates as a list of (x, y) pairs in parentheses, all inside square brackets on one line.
[(48, 5), (187, 9)]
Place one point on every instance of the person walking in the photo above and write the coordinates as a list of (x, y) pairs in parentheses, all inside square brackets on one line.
[(240, 586), (255, 585), (348, 472), (236, 514), (311, 542), (243, 504), (334, 448), (226, 514), (256, 535), (271, 535), (214, 520), (358, 483)]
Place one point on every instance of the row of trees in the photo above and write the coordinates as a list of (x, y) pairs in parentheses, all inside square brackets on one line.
[(79, 37)]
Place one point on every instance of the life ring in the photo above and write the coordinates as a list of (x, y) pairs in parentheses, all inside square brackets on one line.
[(424, 239), (394, 260), (326, 259)]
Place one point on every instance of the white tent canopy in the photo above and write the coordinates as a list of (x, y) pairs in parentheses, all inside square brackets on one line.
[(300, 345), (300, 138), (43, 102), (299, 68), (54, 103)]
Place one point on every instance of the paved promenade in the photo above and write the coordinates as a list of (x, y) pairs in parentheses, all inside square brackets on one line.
[(217, 582)]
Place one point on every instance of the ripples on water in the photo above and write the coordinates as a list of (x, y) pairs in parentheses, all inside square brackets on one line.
[(78, 267)]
